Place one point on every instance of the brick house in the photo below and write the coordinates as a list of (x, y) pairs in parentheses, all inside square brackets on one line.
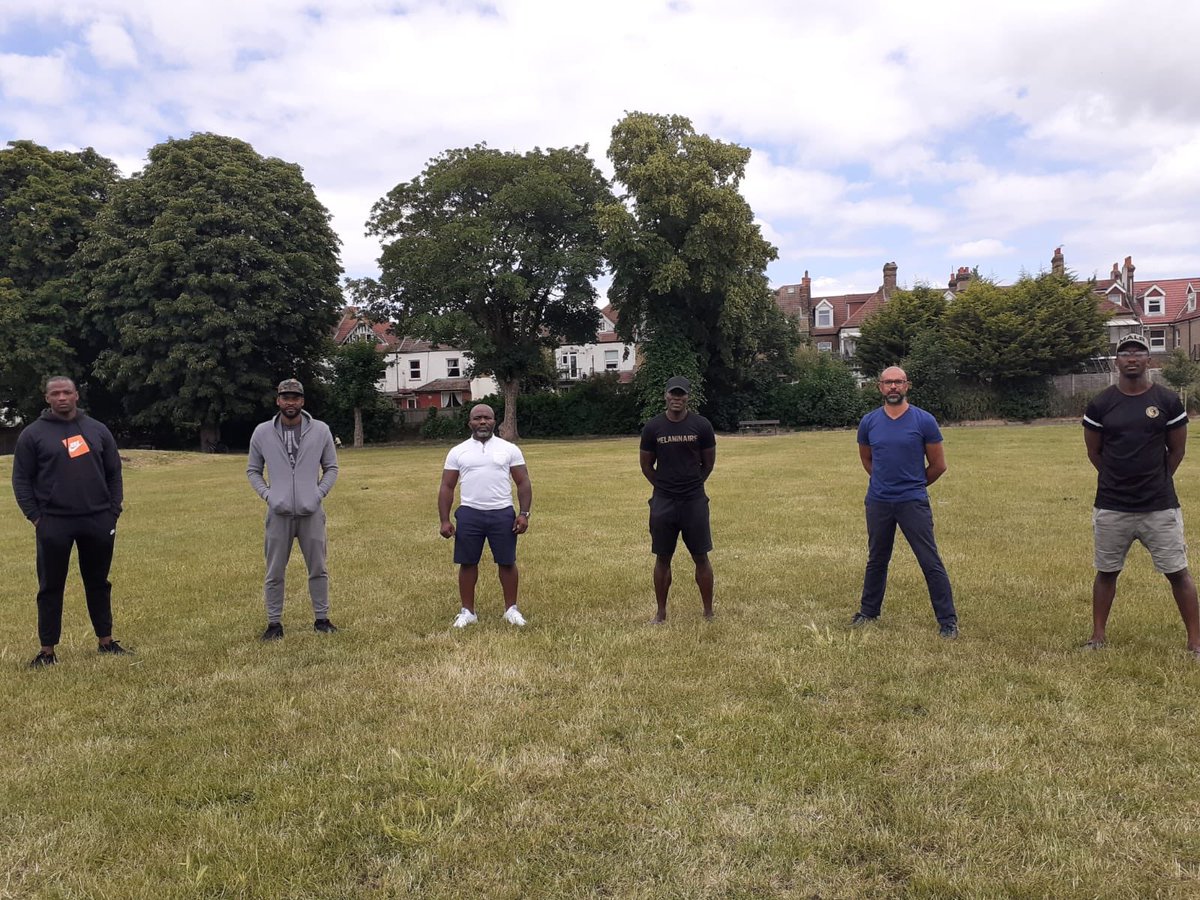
[(608, 354), (833, 324)]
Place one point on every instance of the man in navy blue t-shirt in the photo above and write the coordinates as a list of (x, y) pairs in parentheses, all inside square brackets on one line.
[(900, 446)]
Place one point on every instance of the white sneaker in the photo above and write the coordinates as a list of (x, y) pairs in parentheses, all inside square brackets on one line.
[(464, 618), (513, 616)]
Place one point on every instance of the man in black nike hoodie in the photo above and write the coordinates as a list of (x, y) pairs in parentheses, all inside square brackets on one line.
[(67, 480)]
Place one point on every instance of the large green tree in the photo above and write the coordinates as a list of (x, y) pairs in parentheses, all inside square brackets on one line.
[(689, 263), (48, 202), (212, 274), (495, 252), (889, 333), (1042, 325)]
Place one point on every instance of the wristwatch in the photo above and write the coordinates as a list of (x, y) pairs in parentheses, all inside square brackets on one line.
[(524, 513)]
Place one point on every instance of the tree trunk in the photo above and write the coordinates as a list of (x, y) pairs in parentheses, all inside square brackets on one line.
[(210, 437), (508, 428), (358, 434)]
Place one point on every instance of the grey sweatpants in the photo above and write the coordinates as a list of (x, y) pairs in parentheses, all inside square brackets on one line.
[(277, 545)]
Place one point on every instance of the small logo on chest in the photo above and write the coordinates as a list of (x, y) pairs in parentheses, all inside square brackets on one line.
[(1152, 412)]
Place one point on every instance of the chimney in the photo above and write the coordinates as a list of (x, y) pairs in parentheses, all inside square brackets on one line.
[(1057, 263), (1127, 277), (889, 278), (806, 289)]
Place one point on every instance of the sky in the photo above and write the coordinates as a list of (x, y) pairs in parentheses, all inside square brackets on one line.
[(934, 134)]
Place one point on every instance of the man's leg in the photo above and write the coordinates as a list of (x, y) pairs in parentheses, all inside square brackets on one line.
[(1104, 591), (277, 548), (468, 575), (95, 540), (1183, 588), (662, 584), (916, 521), (509, 580), (881, 536), (704, 581), (310, 533), (53, 556)]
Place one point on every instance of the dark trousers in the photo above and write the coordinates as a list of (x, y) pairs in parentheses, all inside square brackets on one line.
[(915, 519), (94, 536)]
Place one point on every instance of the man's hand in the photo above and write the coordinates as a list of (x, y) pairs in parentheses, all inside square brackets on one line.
[(447, 529), (520, 524)]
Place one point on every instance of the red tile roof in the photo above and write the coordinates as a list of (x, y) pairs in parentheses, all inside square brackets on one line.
[(845, 308), (351, 318)]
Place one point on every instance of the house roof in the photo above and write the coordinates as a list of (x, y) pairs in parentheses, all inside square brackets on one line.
[(847, 308), (444, 384), (352, 317)]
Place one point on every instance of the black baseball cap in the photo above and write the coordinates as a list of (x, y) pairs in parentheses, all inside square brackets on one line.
[(679, 383)]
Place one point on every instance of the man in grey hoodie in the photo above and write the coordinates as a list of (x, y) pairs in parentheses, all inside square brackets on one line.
[(301, 462)]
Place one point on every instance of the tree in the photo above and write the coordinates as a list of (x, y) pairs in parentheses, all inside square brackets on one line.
[(689, 262), (1043, 325), (212, 274), (888, 335), (357, 368), (1181, 371), (496, 252), (48, 202)]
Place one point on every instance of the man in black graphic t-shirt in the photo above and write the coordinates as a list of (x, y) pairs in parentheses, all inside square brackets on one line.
[(1136, 433), (678, 452)]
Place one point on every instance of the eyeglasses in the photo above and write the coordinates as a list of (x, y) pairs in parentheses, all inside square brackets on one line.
[(893, 381), (1126, 354)]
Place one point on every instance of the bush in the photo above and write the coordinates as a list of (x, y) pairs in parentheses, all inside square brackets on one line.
[(598, 405), (446, 424), (825, 394), (1023, 399)]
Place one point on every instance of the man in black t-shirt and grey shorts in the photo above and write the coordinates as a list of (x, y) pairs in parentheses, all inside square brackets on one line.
[(1136, 433), (678, 452)]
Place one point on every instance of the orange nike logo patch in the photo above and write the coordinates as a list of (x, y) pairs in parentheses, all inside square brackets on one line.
[(76, 446)]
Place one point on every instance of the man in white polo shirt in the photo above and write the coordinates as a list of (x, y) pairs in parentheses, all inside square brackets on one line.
[(484, 464)]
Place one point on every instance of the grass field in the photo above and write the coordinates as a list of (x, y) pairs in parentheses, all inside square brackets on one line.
[(771, 753)]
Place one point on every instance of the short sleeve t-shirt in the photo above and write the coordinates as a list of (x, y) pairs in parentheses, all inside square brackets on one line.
[(1133, 473), (898, 453), (677, 450), (483, 471), (291, 442)]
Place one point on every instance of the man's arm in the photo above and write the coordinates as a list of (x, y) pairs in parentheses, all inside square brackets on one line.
[(445, 499), (708, 459), (1094, 441), (647, 458), (864, 456), (1176, 444), (329, 466), (936, 455), (520, 475), (112, 473), (24, 466), (254, 468)]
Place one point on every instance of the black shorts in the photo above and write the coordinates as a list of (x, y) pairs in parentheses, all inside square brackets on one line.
[(477, 525), (670, 517)]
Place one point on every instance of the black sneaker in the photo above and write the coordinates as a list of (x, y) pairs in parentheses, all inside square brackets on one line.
[(43, 659), (274, 632), (325, 626), (859, 619), (948, 631), (113, 647)]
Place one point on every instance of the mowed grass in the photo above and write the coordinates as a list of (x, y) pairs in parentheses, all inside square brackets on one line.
[(771, 753)]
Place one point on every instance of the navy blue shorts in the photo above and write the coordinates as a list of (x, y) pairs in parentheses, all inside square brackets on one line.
[(475, 525)]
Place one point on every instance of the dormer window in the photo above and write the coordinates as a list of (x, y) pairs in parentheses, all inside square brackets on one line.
[(824, 314), (1154, 301)]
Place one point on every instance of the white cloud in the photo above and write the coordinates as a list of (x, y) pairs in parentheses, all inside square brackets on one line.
[(981, 249), (42, 80), (111, 46)]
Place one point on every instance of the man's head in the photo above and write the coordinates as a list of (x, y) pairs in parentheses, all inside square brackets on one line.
[(893, 384), (677, 393), (289, 397), (1133, 355), (62, 396), (482, 421)]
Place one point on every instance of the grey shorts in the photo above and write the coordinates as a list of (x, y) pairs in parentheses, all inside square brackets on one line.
[(1161, 532)]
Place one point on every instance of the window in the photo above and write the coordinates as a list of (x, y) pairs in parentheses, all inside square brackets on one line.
[(1154, 303), (453, 369), (825, 346), (824, 315), (414, 369), (1191, 299), (791, 289), (451, 399), (611, 361), (410, 402), (1158, 339), (569, 364)]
